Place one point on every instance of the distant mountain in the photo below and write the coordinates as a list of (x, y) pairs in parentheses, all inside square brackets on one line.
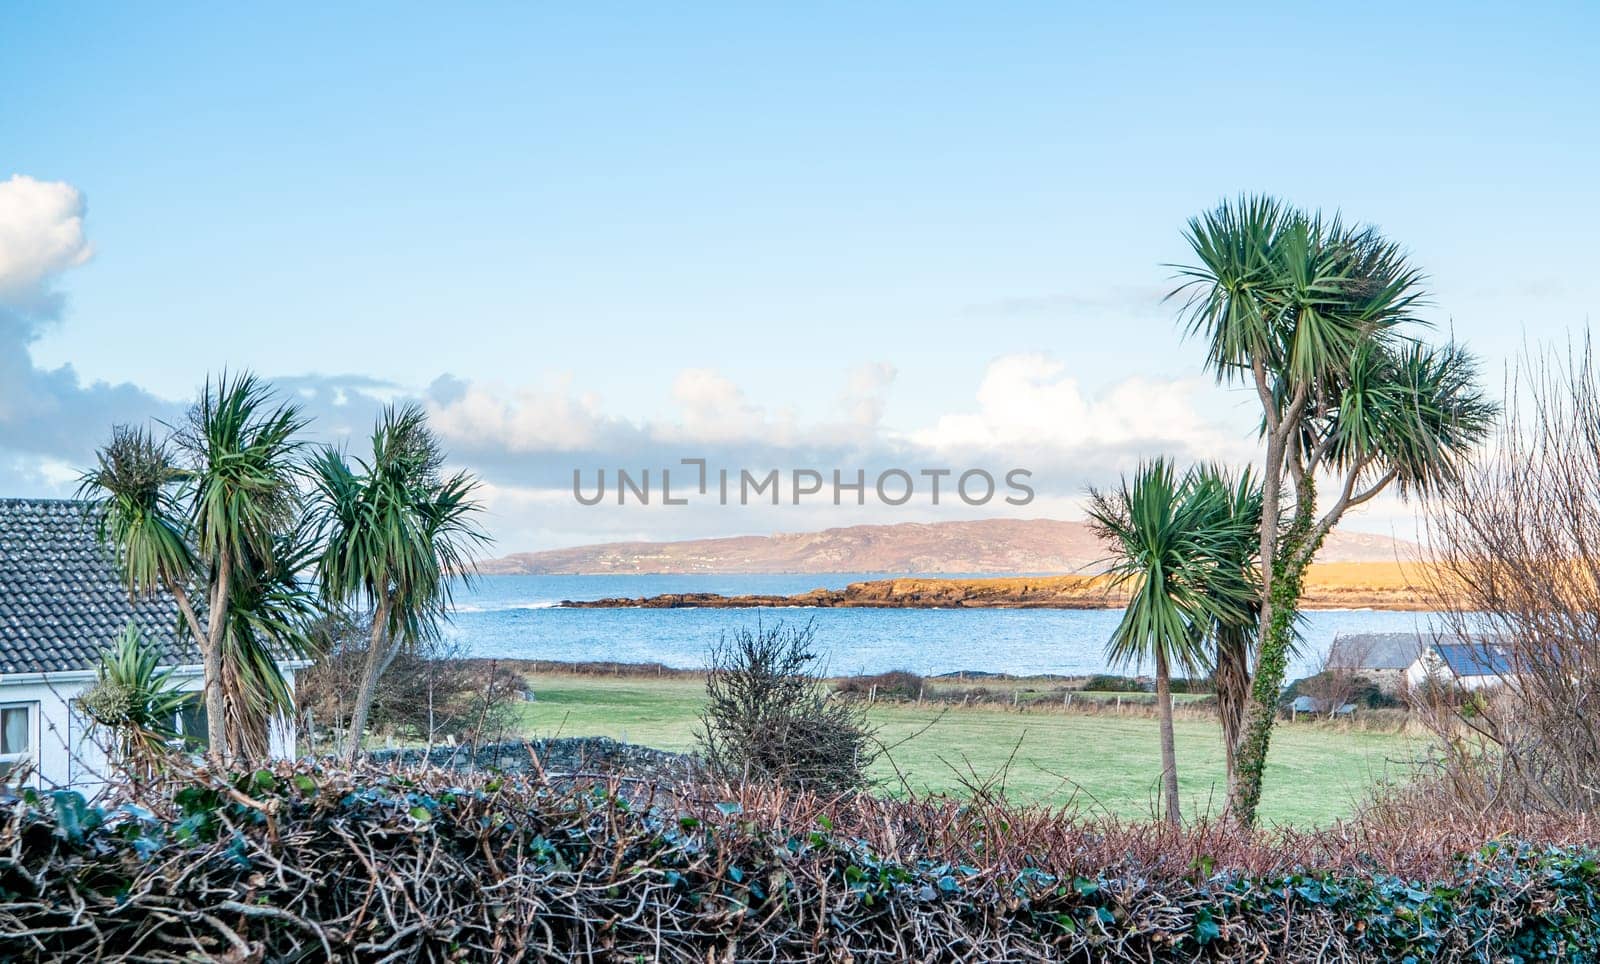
[(912, 548)]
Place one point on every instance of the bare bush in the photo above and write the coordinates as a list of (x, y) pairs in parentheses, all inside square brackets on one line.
[(1516, 553), (1342, 679), (434, 694), (768, 716)]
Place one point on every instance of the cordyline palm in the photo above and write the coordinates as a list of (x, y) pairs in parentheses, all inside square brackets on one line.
[(1175, 540), (397, 532), (1309, 312), (213, 522), (136, 700)]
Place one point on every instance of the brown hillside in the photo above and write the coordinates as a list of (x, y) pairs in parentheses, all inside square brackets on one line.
[(988, 545)]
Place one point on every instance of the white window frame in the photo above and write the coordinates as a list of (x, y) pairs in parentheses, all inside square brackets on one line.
[(31, 754)]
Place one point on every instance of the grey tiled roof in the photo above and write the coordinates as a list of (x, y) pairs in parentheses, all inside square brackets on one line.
[(1377, 650), (62, 601)]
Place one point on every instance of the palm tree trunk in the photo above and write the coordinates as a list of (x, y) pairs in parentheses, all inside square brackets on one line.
[(1169, 749), (1231, 679), (372, 668), (187, 608), (211, 656)]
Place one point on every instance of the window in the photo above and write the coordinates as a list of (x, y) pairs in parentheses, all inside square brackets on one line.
[(16, 736), (190, 722)]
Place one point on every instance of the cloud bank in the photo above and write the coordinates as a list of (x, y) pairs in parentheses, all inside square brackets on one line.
[(1030, 411), (49, 419)]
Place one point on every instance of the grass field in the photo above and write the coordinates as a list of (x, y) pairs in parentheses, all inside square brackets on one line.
[(1097, 762)]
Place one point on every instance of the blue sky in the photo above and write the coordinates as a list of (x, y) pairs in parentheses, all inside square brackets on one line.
[(609, 234)]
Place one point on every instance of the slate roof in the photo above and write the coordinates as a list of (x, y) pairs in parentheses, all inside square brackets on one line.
[(1376, 650), (62, 601)]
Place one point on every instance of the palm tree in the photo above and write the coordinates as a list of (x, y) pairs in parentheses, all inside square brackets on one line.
[(1174, 539), (1311, 314), (130, 492), (1231, 627), (397, 532), (212, 523)]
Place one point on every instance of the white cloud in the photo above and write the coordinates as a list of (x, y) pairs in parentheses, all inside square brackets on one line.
[(41, 235), (713, 409), (866, 394), (50, 420), (523, 419), (1031, 401)]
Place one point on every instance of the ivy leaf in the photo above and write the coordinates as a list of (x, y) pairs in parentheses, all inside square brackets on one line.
[(74, 816)]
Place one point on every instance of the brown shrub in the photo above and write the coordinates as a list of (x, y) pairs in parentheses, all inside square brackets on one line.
[(1516, 570)]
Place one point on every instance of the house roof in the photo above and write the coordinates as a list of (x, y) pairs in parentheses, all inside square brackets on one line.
[(62, 601), (1375, 650), (1474, 659)]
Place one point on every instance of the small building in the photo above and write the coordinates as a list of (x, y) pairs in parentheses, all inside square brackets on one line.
[(62, 603), (1382, 658), (1319, 706), (1470, 664)]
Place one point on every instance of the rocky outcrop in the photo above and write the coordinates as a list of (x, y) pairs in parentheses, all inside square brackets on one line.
[(1340, 586), (1044, 592)]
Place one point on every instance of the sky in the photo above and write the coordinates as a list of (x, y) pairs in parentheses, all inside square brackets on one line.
[(821, 236)]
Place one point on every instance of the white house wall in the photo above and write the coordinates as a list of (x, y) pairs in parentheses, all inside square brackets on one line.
[(65, 754), (1419, 672)]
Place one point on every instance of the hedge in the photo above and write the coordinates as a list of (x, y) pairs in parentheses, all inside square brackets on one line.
[(300, 863)]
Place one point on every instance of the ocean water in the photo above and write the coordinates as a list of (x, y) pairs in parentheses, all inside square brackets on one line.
[(519, 617)]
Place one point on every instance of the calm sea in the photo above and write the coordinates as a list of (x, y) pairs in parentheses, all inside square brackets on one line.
[(517, 616)]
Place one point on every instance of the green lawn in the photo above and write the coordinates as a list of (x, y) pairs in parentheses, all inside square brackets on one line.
[(1100, 762)]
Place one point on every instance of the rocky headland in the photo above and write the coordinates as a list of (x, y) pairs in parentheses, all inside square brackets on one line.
[(1331, 586)]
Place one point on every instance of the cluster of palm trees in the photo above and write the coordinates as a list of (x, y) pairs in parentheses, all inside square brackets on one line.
[(1317, 318), (1185, 543), (256, 535)]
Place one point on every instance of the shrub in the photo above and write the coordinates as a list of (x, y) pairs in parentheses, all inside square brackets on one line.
[(1105, 683), (768, 717), (1511, 547), (896, 684), (1331, 688)]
